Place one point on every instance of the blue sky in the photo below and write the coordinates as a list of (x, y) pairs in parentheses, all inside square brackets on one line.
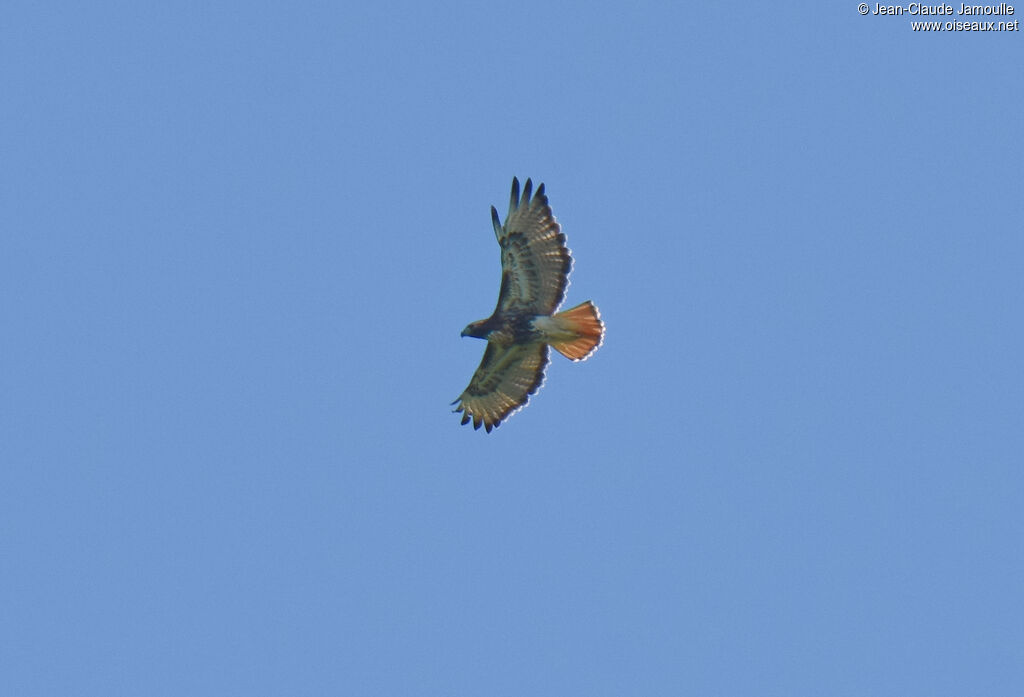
[(239, 242)]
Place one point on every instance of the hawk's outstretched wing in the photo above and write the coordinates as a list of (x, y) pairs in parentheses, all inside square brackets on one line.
[(535, 262), (506, 378)]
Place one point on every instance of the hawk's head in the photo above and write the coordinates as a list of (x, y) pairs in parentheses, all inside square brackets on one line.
[(477, 329)]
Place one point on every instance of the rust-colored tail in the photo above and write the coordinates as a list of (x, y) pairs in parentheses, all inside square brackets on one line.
[(583, 329)]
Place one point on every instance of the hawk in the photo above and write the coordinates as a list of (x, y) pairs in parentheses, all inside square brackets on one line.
[(535, 265)]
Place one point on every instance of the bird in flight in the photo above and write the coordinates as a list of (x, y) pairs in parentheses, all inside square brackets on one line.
[(535, 265)]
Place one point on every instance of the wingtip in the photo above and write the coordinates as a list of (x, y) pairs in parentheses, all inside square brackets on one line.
[(513, 201)]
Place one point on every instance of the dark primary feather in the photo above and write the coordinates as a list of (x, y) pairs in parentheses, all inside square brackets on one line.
[(513, 200)]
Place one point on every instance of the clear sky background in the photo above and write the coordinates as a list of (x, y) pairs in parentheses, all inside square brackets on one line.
[(238, 242)]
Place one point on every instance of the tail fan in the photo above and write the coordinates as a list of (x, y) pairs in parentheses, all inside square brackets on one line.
[(583, 331)]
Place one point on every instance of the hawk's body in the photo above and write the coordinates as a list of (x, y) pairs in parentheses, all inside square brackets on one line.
[(535, 265)]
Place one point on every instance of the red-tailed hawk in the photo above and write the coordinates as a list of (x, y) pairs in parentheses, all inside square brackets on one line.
[(535, 266)]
